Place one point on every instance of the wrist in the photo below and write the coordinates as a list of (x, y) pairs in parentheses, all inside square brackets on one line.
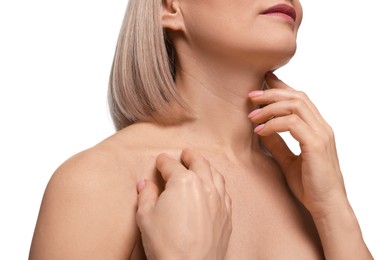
[(334, 205), (336, 219), (340, 234)]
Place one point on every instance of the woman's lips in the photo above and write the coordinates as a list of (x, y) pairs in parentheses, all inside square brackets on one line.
[(282, 10)]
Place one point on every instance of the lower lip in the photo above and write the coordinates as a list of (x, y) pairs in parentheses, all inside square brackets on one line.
[(283, 16)]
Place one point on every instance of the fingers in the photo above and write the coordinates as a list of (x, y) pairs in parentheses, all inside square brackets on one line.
[(199, 168), (212, 179), (285, 109), (198, 164), (274, 83), (279, 102), (169, 167), (193, 163), (220, 186), (219, 181), (293, 124), (147, 198)]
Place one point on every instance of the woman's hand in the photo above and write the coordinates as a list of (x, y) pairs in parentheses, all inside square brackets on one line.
[(314, 176), (191, 218)]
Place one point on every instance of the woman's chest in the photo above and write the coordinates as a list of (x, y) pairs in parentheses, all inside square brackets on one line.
[(267, 221)]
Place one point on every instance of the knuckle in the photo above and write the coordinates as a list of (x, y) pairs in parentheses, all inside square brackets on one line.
[(322, 140), (188, 179), (302, 95), (271, 95), (328, 134), (293, 119), (330, 131), (209, 190), (297, 104)]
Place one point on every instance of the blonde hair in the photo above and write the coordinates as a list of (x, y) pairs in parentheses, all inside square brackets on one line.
[(143, 71)]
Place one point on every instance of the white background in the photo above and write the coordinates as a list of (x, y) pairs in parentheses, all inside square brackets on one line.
[(55, 59)]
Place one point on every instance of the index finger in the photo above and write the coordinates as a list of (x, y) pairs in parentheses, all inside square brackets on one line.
[(275, 83), (169, 167)]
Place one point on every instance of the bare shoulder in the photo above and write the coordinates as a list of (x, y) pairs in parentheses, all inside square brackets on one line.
[(88, 210)]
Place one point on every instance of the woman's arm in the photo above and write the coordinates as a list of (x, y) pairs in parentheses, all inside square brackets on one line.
[(314, 176), (88, 211), (340, 234)]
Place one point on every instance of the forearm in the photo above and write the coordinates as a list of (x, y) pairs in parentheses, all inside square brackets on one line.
[(340, 235)]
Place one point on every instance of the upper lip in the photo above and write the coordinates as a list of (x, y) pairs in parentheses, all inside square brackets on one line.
[(282, 8)]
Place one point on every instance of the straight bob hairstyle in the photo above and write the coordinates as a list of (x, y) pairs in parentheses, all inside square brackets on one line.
[(142, 80)]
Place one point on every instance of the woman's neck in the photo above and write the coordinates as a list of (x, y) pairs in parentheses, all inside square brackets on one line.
[(218, 97)]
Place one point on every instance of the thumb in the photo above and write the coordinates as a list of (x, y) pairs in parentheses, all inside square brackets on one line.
[(147, 198), (279, 150)]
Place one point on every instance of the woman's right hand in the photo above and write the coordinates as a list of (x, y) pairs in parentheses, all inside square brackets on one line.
[(192, 217)]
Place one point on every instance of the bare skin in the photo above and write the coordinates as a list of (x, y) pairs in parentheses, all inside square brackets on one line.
[(94, 196), (89, 208)]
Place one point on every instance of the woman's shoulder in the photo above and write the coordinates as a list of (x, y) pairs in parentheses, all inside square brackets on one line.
[(117, 158), (98, 161), (90, 195), (114, 165)]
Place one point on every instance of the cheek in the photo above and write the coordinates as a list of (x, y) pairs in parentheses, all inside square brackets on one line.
[(216, 29), (214, 20)]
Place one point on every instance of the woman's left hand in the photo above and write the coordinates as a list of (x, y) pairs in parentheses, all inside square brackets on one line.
[(314, 176)]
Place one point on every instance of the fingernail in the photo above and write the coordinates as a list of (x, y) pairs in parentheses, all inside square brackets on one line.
[(255, 93), (272, 75), (253, 113), (140, 185), (259, 128)]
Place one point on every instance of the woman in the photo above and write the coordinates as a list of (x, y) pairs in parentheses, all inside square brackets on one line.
[(196, 88)]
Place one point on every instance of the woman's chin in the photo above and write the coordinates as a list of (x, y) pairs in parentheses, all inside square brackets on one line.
[(272, 59), (279, 65), (282, 58)]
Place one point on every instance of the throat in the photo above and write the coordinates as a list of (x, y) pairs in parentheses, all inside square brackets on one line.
[(220, 106), (230, 132)]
